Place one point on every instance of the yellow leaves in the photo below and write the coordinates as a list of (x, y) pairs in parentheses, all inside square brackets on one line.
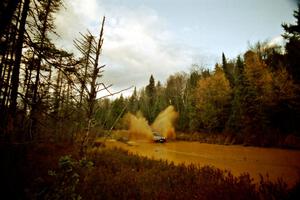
[(212, 96), (284, 87), (213, 89), (271, 86), (258, 75)]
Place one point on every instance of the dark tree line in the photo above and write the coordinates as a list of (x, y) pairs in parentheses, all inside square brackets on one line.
[(255, 95)]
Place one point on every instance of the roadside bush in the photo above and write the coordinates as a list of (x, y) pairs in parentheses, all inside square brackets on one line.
[(118, 174), (66, 178)]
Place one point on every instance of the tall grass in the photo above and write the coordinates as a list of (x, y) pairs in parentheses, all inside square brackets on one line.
[(117, 174)]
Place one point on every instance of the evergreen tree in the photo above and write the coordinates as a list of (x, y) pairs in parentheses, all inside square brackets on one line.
[(192, 118), (174, 94), (292, 35), (7, 10), (228, 72), (234, 122), (133, 102), (160, 102), (150, 90), (16, 68), (151, 94), (292, 47)]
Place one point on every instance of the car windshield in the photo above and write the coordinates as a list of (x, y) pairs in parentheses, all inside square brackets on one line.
[(156, 134)]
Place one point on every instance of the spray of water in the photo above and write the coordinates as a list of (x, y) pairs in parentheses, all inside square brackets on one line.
[(139, 127), (164, 122)]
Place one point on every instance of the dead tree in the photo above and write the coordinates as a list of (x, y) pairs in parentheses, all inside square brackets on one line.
[(91, 50), (89, 79), (16, 68)]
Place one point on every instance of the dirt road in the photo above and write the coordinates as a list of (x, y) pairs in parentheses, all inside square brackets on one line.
[(277, 163)]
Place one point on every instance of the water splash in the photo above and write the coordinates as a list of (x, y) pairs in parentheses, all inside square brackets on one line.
[(139, 127), (164, 122)]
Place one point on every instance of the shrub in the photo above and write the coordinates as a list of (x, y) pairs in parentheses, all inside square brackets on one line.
[(118, 174), (66, 178)]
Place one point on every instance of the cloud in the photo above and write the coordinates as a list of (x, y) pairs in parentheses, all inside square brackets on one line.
[(139, 47), (276, 41), (136, 44), (76, 16)]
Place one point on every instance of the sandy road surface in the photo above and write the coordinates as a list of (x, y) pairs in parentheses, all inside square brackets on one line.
[(238, 159)]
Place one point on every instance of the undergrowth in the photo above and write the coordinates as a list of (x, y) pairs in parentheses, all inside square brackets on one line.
[(117, 174)]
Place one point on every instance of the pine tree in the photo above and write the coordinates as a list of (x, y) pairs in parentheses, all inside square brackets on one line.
[(43, 19), (150, 90), (228, 72), (133, 102), (292, 35), (16, 68), (192, 113), (7, 10), (234, 122), (151, 94), (292, 47)]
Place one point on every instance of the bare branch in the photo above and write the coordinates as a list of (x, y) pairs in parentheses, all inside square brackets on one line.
[(112, 94)]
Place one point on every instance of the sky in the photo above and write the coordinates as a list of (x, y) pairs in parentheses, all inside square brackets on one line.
[(162, 37)]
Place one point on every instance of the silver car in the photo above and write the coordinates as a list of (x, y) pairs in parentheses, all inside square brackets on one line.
[(158, 137)]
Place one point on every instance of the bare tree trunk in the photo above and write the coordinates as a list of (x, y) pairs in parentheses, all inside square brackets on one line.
[(93, 92), (38, 69), (7, 61), (57, 101), (57, 91), (16, 68), (7, 14), (26, 87), (84, 80)]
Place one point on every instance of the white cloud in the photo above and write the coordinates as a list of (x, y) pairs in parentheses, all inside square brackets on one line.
[(278, 40), (76, 16), (87, 9), (136, 44)]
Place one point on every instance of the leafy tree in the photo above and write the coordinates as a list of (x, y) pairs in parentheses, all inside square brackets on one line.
[(104, 115), (174, 94), (257, 91), (282, 107), (213, 99), (259, 76), (192, 118)]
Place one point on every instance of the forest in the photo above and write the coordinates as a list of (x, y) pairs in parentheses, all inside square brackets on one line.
[(48, 98), (253, 99), (48, 92)]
